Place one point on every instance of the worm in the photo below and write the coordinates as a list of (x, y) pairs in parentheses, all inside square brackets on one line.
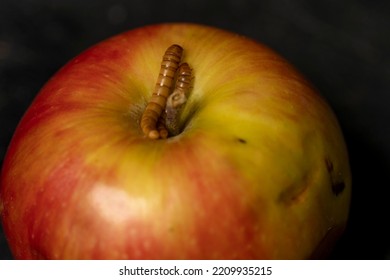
[(164, 84), (177, 99), (161, 125)]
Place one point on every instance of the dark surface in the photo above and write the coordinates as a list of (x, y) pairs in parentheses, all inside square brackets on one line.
[(341, 46)]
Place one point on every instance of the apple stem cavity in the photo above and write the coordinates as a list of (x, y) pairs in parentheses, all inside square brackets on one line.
[(162, 114)]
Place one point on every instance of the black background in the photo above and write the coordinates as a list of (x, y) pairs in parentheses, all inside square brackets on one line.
[(342, 46)]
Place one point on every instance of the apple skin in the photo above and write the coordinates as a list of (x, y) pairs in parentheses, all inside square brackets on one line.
[(260, 170)]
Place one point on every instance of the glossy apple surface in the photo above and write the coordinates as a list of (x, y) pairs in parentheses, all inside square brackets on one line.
[(260, 170)]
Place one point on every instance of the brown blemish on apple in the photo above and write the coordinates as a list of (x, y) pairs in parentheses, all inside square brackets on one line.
[(337, 186), (240, 140), (295, 192), (329, 165)]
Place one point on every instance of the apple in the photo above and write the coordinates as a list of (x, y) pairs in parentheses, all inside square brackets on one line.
[(258, 170)]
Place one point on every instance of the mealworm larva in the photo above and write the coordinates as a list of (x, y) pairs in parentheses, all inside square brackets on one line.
[(177, 99), (164, 84), (161, 126)]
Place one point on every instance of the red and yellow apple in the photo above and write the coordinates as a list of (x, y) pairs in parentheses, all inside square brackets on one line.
[(259, 170)]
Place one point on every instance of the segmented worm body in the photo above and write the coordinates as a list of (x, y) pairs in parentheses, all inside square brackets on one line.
[(177, 99), (165, 82)]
